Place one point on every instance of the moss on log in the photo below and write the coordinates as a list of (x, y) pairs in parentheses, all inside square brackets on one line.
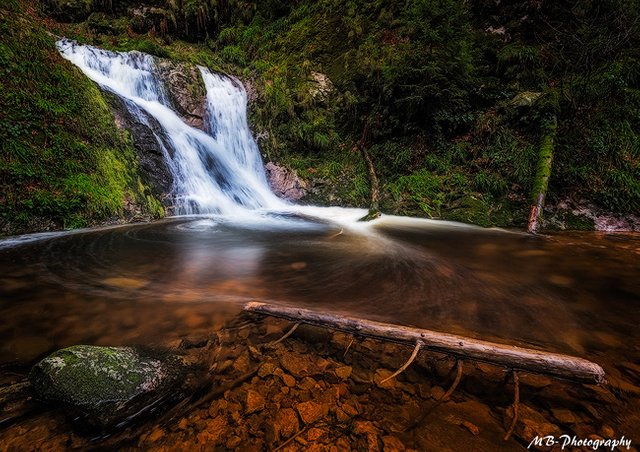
[(543, 173)]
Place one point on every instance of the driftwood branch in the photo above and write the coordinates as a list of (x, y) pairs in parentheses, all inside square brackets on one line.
[(407, 364), (516, 358), (516, 405), (456, 382)]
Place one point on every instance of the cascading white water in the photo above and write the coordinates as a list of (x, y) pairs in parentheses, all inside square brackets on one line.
[(220, 172)]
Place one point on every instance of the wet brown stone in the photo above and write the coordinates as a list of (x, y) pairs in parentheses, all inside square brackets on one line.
[(308, 383), (217, 407), (343, 372), (286, 422), (267, 369), (288, 380), (314, 434), (565, 416), (531, 424), (437, 392), (380, 376), (296, 365), (254, 402), (214, 432), (392, 444), (311, 411)]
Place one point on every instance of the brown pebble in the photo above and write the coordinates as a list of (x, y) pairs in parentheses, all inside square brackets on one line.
[(311, 411), (286, 422), (437, 392), (381, 375), (254, 402), (314, 434), (288, 380), (343, 372)]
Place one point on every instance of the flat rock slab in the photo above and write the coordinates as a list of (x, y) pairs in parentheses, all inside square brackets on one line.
[(106, 385)]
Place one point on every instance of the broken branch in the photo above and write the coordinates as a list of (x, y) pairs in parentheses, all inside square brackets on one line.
[(554, 364)]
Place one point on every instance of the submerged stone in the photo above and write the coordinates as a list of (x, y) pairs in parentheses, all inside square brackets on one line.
[(106, 385)]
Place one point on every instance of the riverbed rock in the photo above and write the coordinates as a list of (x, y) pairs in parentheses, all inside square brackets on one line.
[(285, 183), (105, 385)]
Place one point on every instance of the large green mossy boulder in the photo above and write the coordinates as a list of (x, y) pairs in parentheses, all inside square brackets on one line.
[(106, 385)]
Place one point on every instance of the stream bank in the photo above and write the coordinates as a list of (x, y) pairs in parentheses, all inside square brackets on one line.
[(316, 390)]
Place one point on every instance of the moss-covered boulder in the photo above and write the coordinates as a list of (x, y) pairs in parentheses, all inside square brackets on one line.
[(105, 385)]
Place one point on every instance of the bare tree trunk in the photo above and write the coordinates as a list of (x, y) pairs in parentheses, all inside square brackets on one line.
[(374, 185), (554, 364), (541, 182)]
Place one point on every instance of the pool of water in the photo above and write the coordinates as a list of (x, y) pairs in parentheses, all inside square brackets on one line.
[(577, 293)]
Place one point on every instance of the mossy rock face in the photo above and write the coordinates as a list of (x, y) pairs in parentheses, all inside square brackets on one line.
[(105, 385), (69, 10)]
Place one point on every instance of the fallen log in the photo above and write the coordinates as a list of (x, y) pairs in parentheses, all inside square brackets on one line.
[(515, 358)]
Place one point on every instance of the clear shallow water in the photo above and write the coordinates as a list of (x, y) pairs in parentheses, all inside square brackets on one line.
[(154, 283)]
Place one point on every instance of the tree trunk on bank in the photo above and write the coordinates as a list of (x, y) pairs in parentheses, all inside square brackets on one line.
[(374, 185), (541, 182)]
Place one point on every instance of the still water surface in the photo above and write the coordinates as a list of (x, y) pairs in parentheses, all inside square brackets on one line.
[(155, 283)]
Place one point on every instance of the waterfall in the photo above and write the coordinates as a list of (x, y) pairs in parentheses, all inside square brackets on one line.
[(218, 172)]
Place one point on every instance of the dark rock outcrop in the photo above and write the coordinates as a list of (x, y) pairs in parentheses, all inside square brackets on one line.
[(285, 183), (186, 91), (150, 144), (105, 385)]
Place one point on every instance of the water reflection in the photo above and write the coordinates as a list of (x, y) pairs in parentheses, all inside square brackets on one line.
[(576, 293)]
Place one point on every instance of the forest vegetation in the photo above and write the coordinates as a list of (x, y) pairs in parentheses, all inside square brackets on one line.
[(451, 102)]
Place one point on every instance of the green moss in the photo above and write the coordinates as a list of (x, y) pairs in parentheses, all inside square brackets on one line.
[(64, 163)]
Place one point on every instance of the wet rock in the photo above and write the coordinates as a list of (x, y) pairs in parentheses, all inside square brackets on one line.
[(267, 369), (311, 411), (381, 375), (308, 384), (565, 416), (186, 91), (296, 365), (214, 432), (314, 434), (535, 381), (531, 424), (343, 372), (391, 443), (105, 385), (285, 183), (286, 422), (255, 402), (367, 429), (437, 392), (146, 134)]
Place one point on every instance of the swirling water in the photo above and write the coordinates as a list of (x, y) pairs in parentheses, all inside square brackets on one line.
[(155, 283)]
